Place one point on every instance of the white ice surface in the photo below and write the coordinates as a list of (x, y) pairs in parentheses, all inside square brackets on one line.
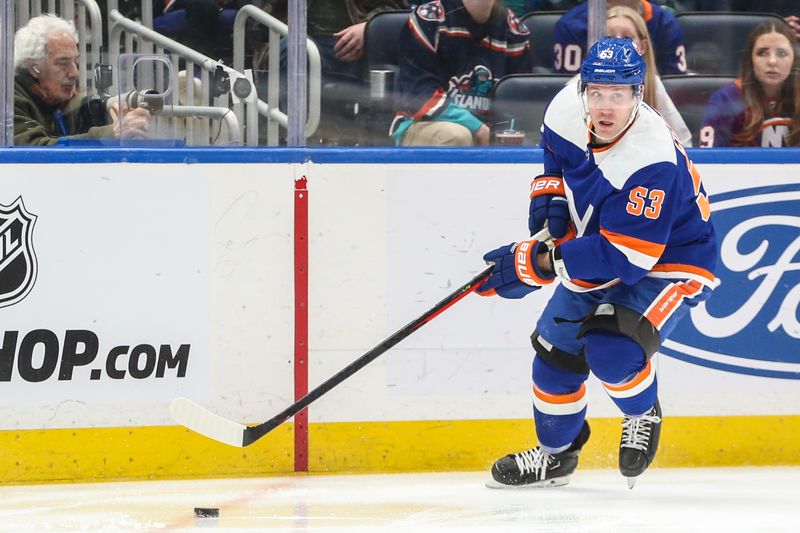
[(664, 500)]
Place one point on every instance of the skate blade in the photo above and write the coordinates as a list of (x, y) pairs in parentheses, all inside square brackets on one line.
[(631, 482), (545, 484)]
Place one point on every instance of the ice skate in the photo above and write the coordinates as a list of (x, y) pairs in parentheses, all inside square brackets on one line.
[(538, 468), (639, 443)]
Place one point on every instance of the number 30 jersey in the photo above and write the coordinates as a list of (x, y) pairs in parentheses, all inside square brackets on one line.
[(638, 204)]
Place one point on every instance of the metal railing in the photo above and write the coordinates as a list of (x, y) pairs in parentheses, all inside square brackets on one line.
[(138, 37), (145, 10), (189, 113), (89, 24), (269, 109)]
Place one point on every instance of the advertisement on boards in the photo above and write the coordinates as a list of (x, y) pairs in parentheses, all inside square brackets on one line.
[(104, 286), (750, 325)]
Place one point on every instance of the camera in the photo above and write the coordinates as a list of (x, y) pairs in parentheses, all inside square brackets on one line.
[(94, 107), (102, 78), (150, 99)]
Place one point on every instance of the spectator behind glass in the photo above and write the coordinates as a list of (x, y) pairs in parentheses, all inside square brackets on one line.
[(625, 22), (452, 53), (203, 25), (338, 31), (666, 37), (762, 107), (47, 105), (337, 28)]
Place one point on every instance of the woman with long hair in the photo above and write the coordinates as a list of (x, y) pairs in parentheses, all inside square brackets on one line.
[(623, 21), (762, 107)]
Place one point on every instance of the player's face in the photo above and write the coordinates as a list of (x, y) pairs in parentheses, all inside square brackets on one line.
[(609, 106), (623, 27), (772, 61), (58, 73)]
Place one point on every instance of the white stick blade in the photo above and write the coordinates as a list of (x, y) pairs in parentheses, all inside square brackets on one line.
[(199, 419)]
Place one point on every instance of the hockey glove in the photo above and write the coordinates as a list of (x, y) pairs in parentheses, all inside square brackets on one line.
[(549, 206), (515, 272)]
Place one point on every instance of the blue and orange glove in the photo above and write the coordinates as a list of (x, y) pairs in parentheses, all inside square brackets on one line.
[(549, 207), (515, 273)]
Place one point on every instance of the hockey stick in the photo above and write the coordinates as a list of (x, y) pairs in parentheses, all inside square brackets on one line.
[(201, 420)]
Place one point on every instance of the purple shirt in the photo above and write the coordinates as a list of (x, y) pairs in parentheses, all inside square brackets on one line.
[(724, 117)]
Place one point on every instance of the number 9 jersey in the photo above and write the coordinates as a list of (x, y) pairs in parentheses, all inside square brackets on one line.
[(638, 204)]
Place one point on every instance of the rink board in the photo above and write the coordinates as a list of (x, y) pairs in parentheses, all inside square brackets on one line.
[(166, 273)]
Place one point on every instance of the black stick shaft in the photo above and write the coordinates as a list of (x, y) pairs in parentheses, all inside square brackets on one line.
[(254, 433)]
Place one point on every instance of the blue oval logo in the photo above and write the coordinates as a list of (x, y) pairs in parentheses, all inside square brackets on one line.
[(750, 324)]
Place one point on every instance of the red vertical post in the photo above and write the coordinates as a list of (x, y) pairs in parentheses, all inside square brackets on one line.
[(301, 321)]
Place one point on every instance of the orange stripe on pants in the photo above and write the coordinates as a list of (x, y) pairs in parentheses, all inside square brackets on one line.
[(663, 308)]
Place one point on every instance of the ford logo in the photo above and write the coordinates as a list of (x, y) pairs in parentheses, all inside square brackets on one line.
[(750, 324)]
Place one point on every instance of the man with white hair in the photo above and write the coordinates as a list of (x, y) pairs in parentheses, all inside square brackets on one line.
[(47, 103)]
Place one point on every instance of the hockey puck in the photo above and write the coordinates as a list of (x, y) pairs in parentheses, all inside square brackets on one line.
[(206, 512)]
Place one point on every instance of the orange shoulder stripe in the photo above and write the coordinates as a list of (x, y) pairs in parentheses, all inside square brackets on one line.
[(644, 247)]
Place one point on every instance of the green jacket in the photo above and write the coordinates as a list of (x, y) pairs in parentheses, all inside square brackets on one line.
[(35, 122)]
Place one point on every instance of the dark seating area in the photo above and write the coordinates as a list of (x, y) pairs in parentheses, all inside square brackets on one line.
[(690, 95), (715, 40), (523, 99), (714, 43), (542, 27), (381, 35)]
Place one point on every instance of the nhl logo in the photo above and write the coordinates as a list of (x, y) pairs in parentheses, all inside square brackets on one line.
[(18, 267)]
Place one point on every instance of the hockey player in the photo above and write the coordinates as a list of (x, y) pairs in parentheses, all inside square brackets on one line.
[(665, 31), (762, 107), (452, 53), (630, 242)]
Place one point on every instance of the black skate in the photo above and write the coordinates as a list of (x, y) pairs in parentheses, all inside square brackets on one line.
[(536, 467), (639, 443)]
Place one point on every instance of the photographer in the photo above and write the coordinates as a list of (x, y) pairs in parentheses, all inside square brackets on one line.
[(47, 103)]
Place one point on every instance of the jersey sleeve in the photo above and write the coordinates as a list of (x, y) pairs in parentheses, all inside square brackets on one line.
[(669, 48), (519, 56), (569, 41), (552, 163), (422, 91), (634, 229), (718, 120)]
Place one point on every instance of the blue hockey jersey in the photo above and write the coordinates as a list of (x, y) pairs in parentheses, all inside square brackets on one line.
[(450, 63), (571, 32), (724, 117), (638, 204)]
